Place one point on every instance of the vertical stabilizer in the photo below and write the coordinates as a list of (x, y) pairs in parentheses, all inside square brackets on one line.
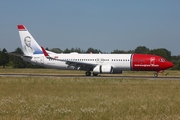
[(29, 44)]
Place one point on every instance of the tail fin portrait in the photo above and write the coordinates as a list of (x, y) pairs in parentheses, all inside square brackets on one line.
[(29, 44)]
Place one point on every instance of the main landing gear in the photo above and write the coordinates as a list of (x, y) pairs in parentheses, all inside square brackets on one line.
[(88, 73)]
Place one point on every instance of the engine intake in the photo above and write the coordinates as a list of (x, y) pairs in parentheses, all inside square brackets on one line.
[(103, 69)]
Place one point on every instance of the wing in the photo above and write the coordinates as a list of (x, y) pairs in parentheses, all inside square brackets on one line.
[(78, 65)]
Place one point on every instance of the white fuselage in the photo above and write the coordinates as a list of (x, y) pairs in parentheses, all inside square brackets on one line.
[(117, 61)]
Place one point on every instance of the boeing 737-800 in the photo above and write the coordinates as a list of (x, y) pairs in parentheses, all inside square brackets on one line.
[(95, 63)]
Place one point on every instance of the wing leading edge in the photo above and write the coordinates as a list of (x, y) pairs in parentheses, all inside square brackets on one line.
[(76, 64)]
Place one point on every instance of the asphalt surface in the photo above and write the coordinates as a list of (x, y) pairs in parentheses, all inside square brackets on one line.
[(101, 76)]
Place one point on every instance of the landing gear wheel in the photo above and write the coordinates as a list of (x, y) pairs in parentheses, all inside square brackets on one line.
[(95, 74), (155, 74), (88, 73)]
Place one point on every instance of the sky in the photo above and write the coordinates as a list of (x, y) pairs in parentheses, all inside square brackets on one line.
[(101, 24)]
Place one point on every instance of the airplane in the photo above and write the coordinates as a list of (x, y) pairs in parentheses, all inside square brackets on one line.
[(95, 63)]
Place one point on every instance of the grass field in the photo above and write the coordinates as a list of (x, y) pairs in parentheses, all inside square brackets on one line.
[(88, 98)]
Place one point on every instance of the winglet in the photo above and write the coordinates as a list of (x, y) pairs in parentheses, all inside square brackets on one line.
[(44, 51), (21, 28)]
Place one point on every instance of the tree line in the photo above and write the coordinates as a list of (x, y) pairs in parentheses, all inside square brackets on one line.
[(9, 60)]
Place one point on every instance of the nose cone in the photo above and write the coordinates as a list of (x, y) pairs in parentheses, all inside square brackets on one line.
[(166, 65), (169, 64)]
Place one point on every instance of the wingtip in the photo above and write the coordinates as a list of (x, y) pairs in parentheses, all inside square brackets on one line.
[(44, 51)]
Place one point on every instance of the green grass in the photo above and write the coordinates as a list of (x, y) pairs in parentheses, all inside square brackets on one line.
[(88, 98)]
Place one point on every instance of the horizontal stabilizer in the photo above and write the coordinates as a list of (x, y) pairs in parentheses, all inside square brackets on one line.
[(18, 55)]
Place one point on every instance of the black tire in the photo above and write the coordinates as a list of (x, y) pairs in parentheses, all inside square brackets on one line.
[(88, 73), (95, 74)]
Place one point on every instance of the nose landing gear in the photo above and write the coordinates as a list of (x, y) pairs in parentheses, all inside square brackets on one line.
[(156, 74)]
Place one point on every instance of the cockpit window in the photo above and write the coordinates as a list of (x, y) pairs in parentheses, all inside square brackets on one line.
[(162, 60)]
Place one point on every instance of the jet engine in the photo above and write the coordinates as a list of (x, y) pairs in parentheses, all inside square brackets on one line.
[(103, 69)]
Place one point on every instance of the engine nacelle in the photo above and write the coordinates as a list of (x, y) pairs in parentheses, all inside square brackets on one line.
[(103, 69)]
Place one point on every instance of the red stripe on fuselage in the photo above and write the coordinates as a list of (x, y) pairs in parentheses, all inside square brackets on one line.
[(145, 62)]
